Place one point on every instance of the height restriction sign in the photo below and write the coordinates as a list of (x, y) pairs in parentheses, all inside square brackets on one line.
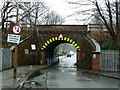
[(16, 29)]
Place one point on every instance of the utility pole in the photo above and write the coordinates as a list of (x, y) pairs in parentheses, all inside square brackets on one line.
[(16, 48)]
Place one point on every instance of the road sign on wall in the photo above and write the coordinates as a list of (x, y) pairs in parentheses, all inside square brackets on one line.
[(33, 46), (12, 38), (16, 29)]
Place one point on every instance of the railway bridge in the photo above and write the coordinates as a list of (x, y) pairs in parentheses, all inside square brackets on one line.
[(48, 37)]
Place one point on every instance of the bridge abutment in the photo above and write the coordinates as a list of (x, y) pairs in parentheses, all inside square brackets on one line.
[(96, 61)]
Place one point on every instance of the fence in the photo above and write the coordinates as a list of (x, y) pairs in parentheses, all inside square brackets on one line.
[(0, 59), (110, 60), (5, 58)]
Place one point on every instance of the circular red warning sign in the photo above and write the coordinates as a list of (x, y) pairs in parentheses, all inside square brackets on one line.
[(16, 29)]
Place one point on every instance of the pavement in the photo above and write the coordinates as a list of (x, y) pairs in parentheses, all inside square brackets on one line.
[(7, 81), (6, 76), (115, 75)]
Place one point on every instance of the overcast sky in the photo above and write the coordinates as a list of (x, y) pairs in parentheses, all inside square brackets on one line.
[(63, 9)]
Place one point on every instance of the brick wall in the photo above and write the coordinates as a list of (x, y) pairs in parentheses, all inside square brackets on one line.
[(30, 57), (96, 61)]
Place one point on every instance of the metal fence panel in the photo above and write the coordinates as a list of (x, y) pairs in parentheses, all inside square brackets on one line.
[(110, 60), (6, 58), (0, 58)]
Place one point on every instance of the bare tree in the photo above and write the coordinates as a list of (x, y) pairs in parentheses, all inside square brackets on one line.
[(5, 14), (52, 19), (111, 19), (42, 15), (108, 13), (39, 9), (9, 13), (25, 16), (29, 14)]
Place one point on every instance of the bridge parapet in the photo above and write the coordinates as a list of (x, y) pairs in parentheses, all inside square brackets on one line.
[(62, 28)]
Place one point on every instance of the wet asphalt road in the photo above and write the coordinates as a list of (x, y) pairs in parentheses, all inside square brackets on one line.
[(64, 75)]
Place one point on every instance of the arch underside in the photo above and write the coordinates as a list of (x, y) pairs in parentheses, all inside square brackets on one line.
[(55, 41)]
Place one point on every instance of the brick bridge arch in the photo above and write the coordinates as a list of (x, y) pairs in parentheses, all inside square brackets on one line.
[(47, 38), (74, 34)]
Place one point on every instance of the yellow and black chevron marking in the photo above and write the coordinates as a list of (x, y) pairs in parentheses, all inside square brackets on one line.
[(64, 39)]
